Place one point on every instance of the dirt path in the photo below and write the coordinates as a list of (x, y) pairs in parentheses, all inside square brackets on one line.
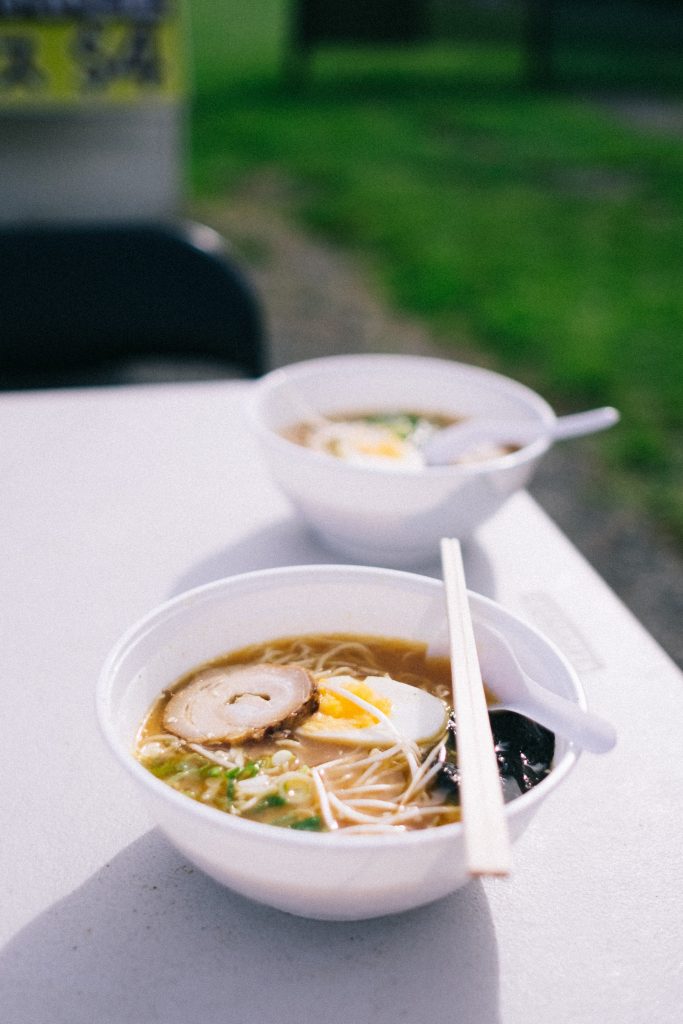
[(317, 302)]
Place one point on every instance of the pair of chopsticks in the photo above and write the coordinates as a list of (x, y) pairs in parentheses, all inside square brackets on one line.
[(487, 843)]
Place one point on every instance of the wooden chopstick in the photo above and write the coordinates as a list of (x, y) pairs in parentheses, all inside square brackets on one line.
[(487, 843)]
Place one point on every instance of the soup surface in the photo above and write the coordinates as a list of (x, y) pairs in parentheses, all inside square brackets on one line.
[(387, 440), (327, 732)]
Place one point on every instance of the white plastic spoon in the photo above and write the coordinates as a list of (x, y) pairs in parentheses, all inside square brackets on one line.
[(450, 443), (517, 691)]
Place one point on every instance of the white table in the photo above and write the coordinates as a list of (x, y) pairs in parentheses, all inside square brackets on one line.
[(115, 499)]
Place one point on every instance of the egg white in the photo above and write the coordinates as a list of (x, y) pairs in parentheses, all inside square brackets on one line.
[(367, 444), (415, 716)]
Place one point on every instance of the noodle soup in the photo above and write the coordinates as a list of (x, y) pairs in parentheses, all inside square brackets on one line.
[(385, 440), (357, 870), (327, 732)]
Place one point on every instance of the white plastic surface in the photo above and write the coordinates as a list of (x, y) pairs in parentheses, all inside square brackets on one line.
[(117, 499)]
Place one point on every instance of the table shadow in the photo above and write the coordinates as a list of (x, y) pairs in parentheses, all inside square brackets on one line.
[(148, 938), (289, 542)]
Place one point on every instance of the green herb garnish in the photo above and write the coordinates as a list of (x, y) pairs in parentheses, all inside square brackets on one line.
[(270, 800), (312, 824), (403, 424)]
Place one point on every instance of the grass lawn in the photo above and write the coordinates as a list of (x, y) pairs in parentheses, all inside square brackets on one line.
[(534, 225)]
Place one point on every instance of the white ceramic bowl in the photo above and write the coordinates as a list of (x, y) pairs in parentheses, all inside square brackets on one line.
[(391, 517), (318, 875)]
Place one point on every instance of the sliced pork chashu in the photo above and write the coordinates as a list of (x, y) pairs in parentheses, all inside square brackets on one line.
[(238, 703)]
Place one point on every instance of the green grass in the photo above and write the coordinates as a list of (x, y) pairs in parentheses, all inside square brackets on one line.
[(535, 225)]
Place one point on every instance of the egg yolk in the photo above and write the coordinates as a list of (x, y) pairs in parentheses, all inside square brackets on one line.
[(387, 449), (335, 707)]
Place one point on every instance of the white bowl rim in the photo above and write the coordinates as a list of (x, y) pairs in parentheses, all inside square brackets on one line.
[(189, 808), (526, 453)]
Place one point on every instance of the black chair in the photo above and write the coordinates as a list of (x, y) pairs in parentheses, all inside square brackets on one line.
[(77, 303)]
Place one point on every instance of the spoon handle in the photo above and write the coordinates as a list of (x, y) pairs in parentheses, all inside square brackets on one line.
[(448, 444), (579, 423), (560, 715)]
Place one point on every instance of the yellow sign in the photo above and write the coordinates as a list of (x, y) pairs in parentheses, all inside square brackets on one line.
[(80, 51)]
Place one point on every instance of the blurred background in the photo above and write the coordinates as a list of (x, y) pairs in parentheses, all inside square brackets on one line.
[(499, 181), (520, 193), (504, 181)]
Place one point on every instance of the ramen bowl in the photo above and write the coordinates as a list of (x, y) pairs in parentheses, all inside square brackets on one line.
[(325, 875), (390, 516)]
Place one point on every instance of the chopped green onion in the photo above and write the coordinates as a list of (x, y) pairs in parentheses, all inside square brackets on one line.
[(172, 767), (312, 824), (402, 424), (270, 800), (250, 769), (164, 769)]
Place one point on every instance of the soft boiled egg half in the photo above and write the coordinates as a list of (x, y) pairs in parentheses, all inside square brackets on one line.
[(366, 444), (377, 711)]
